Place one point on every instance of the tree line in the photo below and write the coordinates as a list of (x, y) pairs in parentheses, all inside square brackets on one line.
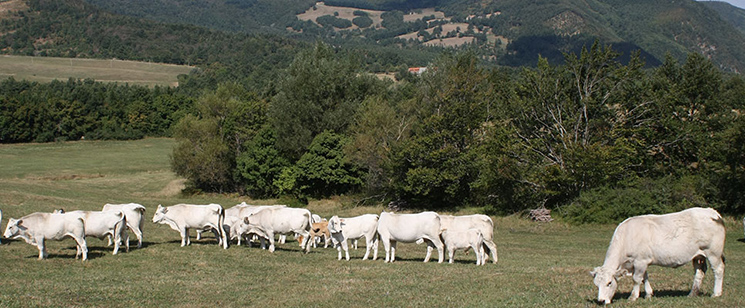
[(593, 138)]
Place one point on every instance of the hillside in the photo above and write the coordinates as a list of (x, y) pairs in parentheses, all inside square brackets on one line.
[(46, 69), (511, 32), (730, 13)]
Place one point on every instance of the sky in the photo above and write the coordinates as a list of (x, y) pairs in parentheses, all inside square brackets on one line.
[(737, 3)]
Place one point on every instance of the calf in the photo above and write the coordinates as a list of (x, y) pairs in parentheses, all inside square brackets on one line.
[(318, 230), (671, 240), (134, 214), (481, 222), (410, 228), (182, 217), (471, 238), (101, 224), (343, 229), (37, 227)]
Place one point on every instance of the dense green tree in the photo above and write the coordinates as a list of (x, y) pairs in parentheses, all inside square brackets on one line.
[(260, 165), (324, 169), (319, 92), (209, 144)]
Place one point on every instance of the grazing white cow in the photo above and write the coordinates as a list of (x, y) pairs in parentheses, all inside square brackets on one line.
[(410, 228), (471, 238), (278, 220), (101, 224), (669, 240), (353, 228), (481, 222), (134, 213), (182, 217), (37, 227)]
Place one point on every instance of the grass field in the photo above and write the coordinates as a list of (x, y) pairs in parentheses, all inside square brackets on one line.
[(46, 69), (540, 264)]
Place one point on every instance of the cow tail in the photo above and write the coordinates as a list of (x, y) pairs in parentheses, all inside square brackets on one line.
[(119, 228), (221, 227)]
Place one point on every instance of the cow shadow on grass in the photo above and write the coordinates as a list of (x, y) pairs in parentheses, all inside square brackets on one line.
[(741, 240), (624, 296)]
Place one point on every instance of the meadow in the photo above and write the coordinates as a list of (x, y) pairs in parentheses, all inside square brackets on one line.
[(46, 69), (540, 264)]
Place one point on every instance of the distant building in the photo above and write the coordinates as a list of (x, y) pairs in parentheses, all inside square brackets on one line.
[(417, 70)]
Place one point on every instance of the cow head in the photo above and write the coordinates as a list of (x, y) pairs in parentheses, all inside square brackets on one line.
[(14, 228), (335, 224), (58, 211), (605, 280), (160, 213)]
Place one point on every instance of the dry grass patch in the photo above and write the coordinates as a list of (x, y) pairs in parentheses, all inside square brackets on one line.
[(46, 69)]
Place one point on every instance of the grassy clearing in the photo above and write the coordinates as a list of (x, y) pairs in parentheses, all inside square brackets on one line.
[(46, 69), (540, 264)]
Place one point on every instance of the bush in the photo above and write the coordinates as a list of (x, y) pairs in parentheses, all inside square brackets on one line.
[(362, 21), (613, 205)]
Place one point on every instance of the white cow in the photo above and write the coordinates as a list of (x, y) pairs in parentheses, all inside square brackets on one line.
[(134, 213), (182, 217), (101, 224), (235, 214), (353, 228), (410, 228), (37, 227), (278, 220), (669, 240), (471, 238), (481, 222)]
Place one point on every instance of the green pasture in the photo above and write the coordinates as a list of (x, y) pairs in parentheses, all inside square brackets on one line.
[(46, 69), (540, 264)]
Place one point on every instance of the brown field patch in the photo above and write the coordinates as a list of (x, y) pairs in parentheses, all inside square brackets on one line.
[(451, 41), (321, 9)]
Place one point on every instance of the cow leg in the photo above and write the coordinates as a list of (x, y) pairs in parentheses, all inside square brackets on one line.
[(83, 247), (375, 247), (270, 235), (282, 238), (355, 244), (369, 245), (199, 234), (108, 240), (478, 250), (429, 250), (185, 237), (699, 267), (717, 265), (126, 239), (451, 253), (639, 271), (42, 248), (647, 286), (440, 249), (393, 251), (483, 254), (138, 233), (344, 245), (117, 244)]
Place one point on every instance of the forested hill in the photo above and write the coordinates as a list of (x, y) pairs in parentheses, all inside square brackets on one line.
[(509, 32)]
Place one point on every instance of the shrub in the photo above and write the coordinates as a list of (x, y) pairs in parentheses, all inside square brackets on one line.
[(612, 205)]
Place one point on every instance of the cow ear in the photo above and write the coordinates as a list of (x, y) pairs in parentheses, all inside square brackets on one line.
[(18, 222), (165, 210), (245, 220), (621, 272), (594, 271)]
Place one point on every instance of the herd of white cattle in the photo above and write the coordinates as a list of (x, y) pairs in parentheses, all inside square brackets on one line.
[(694, 235)]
